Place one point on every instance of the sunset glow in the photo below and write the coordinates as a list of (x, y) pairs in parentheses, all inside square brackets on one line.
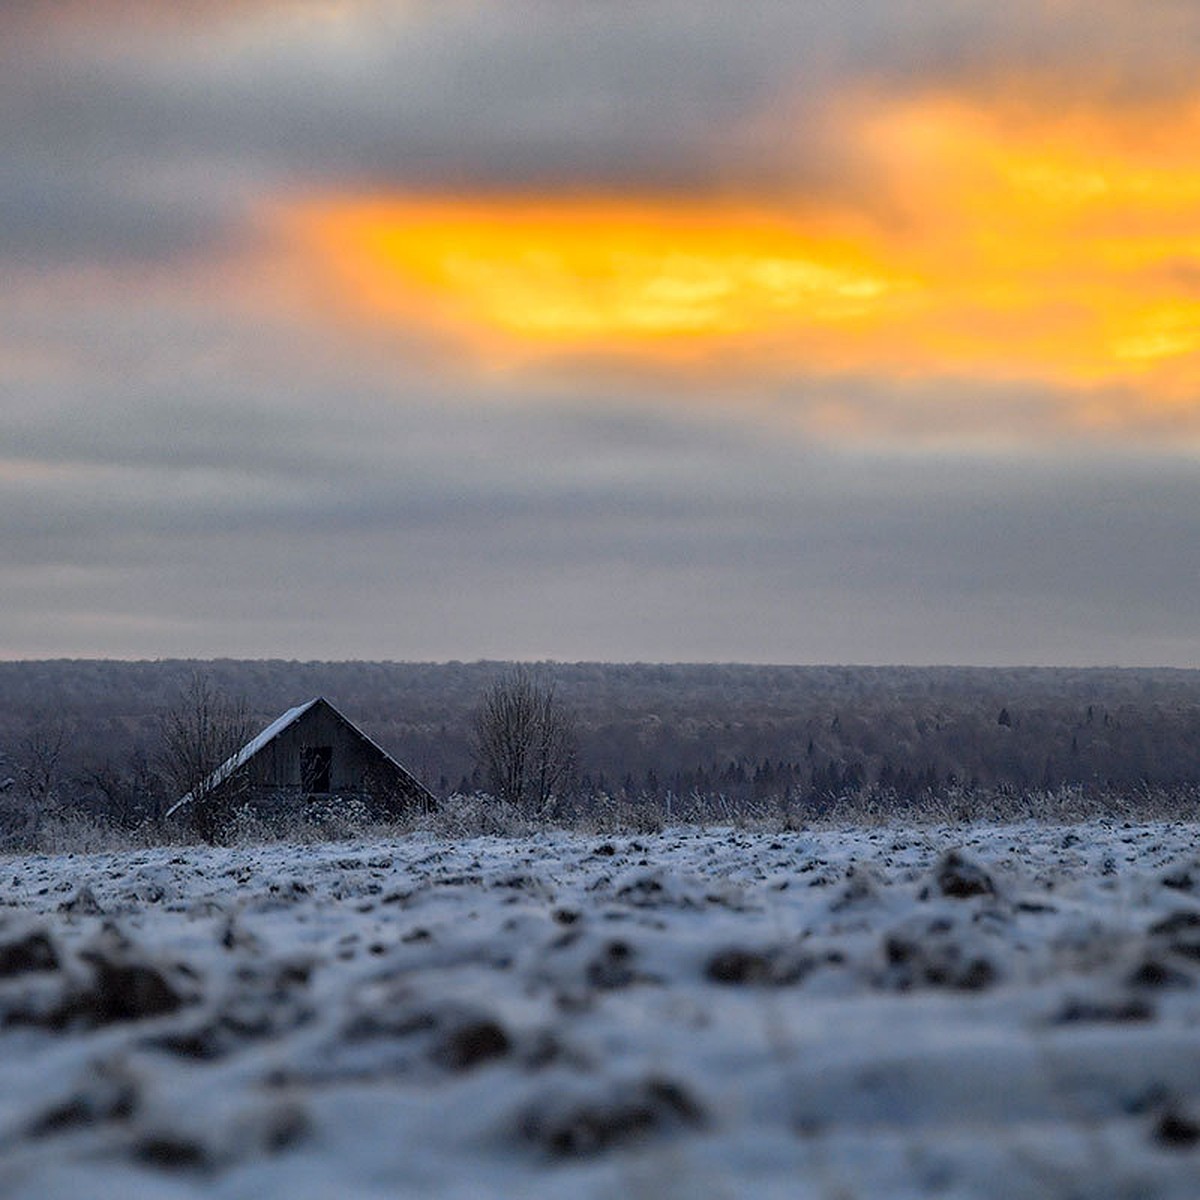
[(555, 329), (1000, 245), (585, 274)]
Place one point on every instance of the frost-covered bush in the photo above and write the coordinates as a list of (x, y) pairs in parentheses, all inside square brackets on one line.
[(337, 818), (247, 827), (476, 814)]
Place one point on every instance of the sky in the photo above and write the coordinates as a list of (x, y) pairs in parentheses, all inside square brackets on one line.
[(543, 329)]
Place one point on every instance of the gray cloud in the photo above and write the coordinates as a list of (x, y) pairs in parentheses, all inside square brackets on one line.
[(144, 138), (177, 477), (404, 517), (970, 571)]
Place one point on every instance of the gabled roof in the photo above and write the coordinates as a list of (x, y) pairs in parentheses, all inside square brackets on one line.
[(236, 761)]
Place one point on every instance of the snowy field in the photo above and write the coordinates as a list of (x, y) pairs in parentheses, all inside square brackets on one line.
[(973, 1011)]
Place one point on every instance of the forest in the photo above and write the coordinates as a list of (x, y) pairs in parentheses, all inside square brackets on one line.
[(85, 735)]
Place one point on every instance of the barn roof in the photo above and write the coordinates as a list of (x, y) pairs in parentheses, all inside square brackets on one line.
[(236, 761)]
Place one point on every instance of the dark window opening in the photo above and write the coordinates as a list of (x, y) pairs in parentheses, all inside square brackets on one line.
[(315, 763)]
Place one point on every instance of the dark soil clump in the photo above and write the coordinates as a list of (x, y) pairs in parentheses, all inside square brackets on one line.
[(32, 952), (959, 877), (580, 1127)]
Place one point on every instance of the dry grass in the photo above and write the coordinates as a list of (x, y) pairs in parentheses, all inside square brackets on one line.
[(475, 815)]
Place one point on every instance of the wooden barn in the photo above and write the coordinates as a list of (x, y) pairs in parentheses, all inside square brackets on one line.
[(311, 755)]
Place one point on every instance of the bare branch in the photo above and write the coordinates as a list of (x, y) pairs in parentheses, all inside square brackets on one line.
[(525, 742), (196, 735), (38, 775)]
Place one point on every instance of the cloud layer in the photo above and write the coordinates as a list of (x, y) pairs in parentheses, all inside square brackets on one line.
[(669, 330)]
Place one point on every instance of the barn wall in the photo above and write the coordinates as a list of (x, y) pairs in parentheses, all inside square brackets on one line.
[(277, 765)]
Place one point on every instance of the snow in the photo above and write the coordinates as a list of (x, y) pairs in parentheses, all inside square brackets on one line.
[(871, 1012)]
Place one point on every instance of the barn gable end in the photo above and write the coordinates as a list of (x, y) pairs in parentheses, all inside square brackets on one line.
[(312, 753)]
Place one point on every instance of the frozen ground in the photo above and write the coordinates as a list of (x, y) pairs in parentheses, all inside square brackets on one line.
[(1003, 1011)]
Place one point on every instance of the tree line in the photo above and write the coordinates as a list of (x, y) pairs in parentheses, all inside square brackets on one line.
[(89, 734)]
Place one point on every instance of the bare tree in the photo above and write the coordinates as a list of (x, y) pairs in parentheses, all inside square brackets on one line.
[(199, 733), (39, 777), (525, 742), (127, 794)]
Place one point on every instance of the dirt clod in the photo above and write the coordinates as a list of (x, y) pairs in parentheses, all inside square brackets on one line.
[(466, 1045), (1176, 1130), (32, 952), (82, 904), (1106, 1012), (738, 966), (168, 1152), (584, 1126), (957, 876)]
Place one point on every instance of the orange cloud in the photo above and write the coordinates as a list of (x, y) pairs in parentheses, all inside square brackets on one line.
[(1018, 245), (1043, 244), (534, 276)]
